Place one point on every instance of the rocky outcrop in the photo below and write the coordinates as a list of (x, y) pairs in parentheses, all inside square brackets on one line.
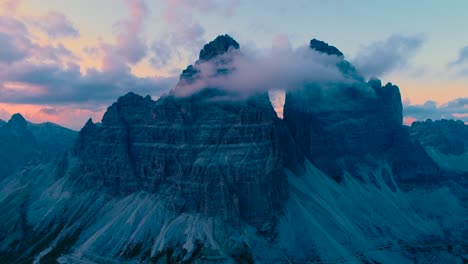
[(341, 127), (205, 153)]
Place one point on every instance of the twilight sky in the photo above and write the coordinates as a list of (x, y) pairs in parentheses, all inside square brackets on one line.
[(66, 61)]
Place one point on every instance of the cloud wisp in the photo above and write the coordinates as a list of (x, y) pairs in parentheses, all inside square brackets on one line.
[(284, 69), (383, 57)]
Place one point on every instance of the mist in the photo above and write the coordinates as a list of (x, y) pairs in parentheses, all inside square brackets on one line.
[(282, 68)]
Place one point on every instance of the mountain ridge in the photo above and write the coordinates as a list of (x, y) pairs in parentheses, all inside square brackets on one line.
[(206, 176)]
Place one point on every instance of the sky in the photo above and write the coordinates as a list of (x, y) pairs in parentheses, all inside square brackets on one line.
[(66, 61)]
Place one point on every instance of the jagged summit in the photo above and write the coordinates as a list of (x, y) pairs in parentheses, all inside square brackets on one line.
[(217, 47), (323, 47)]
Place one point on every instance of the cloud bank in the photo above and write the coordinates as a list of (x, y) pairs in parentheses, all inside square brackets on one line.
[(44, 79)]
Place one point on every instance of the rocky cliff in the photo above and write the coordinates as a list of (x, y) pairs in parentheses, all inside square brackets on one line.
[(205, 153)]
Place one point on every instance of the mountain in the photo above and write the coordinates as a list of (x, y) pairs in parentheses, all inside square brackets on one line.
[(214, 176), (446, 141), (343, 127), (22, 143)]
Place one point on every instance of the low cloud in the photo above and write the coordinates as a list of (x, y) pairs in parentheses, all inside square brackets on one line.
[(383, 57), (455, 109), (284, 69)]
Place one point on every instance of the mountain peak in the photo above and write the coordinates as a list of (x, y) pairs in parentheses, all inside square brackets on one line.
[(323, 47), (218, 46), (17, 121)]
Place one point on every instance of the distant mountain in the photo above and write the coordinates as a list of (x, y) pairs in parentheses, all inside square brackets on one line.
[(23, 143), (446, 141), (215, 176)]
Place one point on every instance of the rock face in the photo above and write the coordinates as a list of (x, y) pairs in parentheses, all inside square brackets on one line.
[(343, 126), (215, 156), (22, 142)]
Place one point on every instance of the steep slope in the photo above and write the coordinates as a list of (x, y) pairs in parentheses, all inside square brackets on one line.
[(22, 142), (446, 141)]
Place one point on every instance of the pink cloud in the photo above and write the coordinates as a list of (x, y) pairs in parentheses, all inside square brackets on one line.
[(131, 43)]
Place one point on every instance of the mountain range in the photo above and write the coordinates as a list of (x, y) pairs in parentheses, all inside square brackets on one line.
[(24, 143), (213, 175)]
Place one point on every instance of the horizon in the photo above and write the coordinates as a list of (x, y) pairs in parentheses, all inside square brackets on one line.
[(66, 62)]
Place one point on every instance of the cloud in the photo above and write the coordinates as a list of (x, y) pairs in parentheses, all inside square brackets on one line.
[(4, 114), (14, 40), (382, 57), (49, 111), (29, 83), (455, 109), (462, 57), (184, 34), (16, 44), (284, 69), (131, 43), (11, 6), (55, 25)]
